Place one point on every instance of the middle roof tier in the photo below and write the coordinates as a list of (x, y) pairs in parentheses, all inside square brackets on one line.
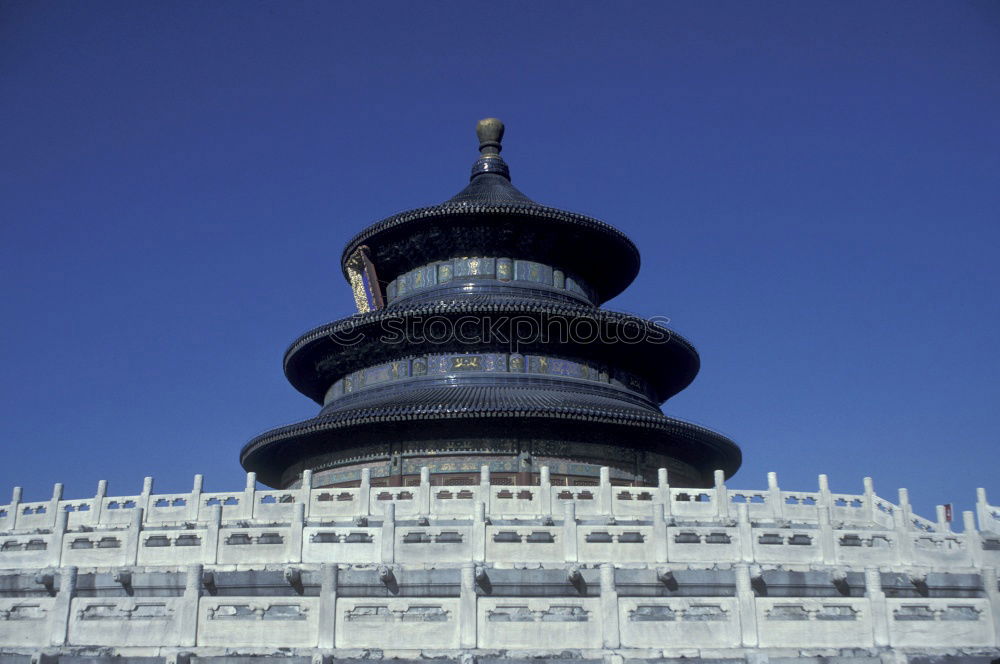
[(658, 362)]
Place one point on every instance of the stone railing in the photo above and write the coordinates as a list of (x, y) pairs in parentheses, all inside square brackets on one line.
[(603, 500), (602, 616), (540, 523), (592, 570)]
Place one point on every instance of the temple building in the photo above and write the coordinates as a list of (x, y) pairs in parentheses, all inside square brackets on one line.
[(490, 479), (480, 342)]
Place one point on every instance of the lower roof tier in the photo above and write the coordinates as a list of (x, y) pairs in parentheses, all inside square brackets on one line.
[(452, 422)]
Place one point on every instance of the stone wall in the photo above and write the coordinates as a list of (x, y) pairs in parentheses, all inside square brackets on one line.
[(492, 571)]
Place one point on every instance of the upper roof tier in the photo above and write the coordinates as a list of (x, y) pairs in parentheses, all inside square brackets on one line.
[(491, 218)]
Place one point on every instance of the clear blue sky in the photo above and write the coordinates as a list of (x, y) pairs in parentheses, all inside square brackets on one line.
[(813, 185)]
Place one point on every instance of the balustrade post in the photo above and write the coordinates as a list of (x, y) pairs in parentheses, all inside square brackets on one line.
[(249, 496), (827, 539), (973, 540), (97, 508), (147, 491), (869, 499), (305, 490), (660, 543), (663, 491), (825, 499), (604, 494), (14, 508), (424, 492), (721, 494), (194, 498), (211, 550), (57, 494), (993, 593), (745, 527), (187, 621), (62, 607), (943, 525), (903, 517), (327, 605), (774, 497), (293, 549), (389, 534), (365, 493), (479, 533), (983, 511), (879, 607), (484, 486), (569, 532), (134, 536), (60, 617), (903, 525), (58, 537), (467, 609), (545, 487), (609, 607), (748, 606)]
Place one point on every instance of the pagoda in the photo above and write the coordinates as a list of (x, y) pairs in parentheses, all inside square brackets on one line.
[(480, 342)]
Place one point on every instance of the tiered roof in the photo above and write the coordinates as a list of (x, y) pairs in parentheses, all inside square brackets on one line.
[(491, 256)]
